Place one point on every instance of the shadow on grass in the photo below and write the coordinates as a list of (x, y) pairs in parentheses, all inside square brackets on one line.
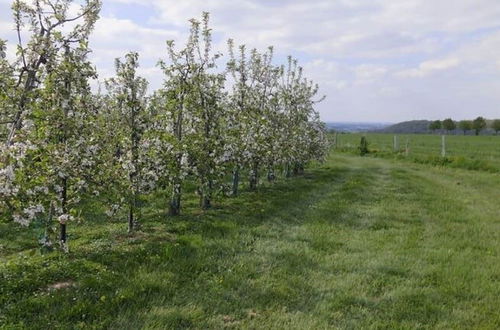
[(194, 269)]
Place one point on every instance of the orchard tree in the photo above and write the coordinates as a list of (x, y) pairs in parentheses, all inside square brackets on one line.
[(49, 29), (465, 125), (42, 159), (449, 125), (66, 125), (318, 144), (303, 132), (258, 116), (207, 124), (177, 89), (129, 121), (293, 117), (274, 153), (6, 89), (169, 125), (253, 112), (55, 171), (239, 101), (271, 111), (478, 125), (8, 154), (193, 115)]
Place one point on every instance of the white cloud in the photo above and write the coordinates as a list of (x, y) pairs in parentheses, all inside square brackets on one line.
[(369, 72), (428, 67), (114, 37), (482, 53), (375, 60)]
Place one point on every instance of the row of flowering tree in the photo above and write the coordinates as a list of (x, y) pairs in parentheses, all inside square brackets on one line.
[(209, 125)]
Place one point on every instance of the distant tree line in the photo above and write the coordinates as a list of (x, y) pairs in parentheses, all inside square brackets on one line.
[(477, 125)]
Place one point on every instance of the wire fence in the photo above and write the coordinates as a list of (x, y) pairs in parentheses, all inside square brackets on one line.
[(472, 148)]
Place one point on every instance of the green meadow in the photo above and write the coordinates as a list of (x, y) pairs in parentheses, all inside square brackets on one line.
[(355, 242), (469, 152)]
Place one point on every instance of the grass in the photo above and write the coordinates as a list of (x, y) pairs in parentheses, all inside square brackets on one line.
[(358, 242), (467, 152)]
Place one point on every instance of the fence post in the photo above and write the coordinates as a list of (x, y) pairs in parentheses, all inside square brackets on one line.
[(443, 146), (395, 143), (407, 147)]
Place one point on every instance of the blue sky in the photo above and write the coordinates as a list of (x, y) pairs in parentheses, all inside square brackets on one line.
[(375, 60)]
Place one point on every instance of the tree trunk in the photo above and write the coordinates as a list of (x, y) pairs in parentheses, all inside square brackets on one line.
[(64, 183), (254, 176), (62, 233), (205, 202), (288, 171), (270, 174), (175, 201), (298, 169), (206, 196), (29, 85), (131, 221), (133, 178), (64, 207), (236, 180)]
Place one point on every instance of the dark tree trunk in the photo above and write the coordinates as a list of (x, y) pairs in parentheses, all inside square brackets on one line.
[(298, 169), (236, 179), (175, 200), (29, 85), (206, 196), (133, 176), (62, 233), (270, 174), (64, 183), (254, 176), (131, 220), (64, 206), (205, 202), (288, 171)]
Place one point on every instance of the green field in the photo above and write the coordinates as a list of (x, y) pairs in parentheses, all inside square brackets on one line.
[(357, 242), (470, 152)]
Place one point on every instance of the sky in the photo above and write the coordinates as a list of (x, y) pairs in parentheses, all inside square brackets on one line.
[(374, 60)]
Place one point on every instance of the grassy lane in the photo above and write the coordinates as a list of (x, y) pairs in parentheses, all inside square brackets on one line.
[(357, 242)]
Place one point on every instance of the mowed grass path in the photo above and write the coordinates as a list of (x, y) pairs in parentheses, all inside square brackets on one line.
[(355, 243)]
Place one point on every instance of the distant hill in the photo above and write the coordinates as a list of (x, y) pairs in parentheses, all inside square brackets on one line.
[(353, 127), (412, 126)]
